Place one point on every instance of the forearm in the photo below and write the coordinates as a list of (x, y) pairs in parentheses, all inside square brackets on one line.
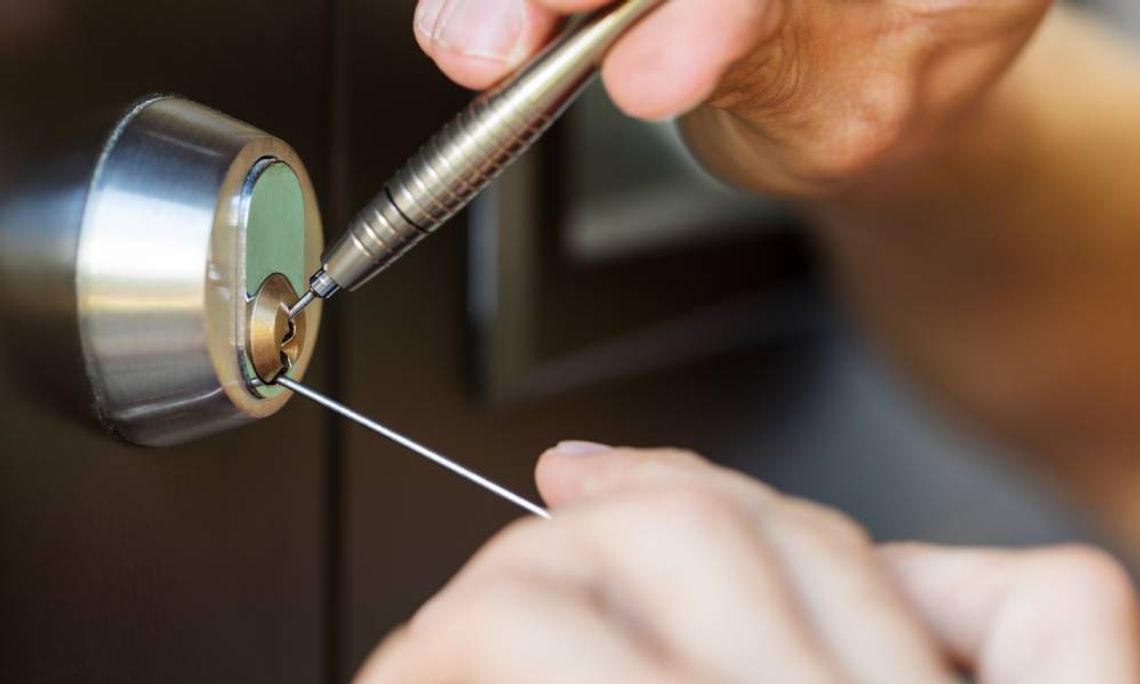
[(1002, 265), (984, 220)]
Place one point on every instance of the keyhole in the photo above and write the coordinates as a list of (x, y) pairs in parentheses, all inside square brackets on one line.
[(290, 333)]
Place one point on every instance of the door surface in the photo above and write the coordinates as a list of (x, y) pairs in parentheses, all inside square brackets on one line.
[(284, 551), (199, 563)]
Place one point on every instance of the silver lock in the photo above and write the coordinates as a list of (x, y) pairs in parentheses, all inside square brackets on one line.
[(188, 215)]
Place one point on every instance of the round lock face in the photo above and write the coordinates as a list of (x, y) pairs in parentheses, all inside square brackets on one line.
[(273, 224), (198, 229), (275, 341)]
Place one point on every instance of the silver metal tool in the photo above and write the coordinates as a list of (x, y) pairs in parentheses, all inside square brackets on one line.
[(463, 158), (407, 443)]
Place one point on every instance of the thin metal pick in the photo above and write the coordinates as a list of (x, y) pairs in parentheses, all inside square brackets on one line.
[(407, 443), (302, 304)]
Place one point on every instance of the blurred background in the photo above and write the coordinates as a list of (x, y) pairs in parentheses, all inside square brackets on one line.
[(605, 289)]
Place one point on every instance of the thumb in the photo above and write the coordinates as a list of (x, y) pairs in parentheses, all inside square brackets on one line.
[(1042, 616), (478, 42)]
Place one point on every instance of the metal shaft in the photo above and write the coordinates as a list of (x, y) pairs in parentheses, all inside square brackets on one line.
[(458, 163), (407, 443)]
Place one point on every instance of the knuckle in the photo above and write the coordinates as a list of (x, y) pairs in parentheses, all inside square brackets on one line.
[(1070, 585), (752, 490), (690, 507), (1089, 572), (830, 525), (845, 532), (871, 128)]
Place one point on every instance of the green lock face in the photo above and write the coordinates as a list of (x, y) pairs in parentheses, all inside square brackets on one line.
[(273, 223), (274, 226)]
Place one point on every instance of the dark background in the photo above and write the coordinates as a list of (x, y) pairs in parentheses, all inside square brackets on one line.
[(283, 552)]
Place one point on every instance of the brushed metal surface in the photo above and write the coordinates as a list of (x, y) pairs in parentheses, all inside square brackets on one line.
[(160, 277)]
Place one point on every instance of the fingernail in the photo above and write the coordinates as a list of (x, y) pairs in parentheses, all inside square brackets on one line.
[(490, 29), (427, 16), (576, 448)]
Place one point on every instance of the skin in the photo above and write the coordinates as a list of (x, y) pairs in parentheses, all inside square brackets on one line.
[(964, 161), (970, 166), (659, 567)]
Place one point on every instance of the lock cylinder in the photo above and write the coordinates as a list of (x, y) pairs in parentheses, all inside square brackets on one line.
[(275, 342), (197, 232)]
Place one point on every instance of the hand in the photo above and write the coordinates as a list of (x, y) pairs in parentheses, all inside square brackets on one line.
[(659, 567), (804, 96)]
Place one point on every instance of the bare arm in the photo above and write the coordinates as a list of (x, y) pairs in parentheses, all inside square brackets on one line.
[(1003, 267), (980, 198), (1000, 258)]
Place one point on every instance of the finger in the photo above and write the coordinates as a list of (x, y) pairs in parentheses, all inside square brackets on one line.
[(574, 6), (851, 603), (512, 631), (1061, 615), (681, 568), (666, 65), (672, 61), (478, 42), (576, 470), (824, 557)]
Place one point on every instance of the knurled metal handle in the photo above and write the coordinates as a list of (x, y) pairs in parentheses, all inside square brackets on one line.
[(456, 164)]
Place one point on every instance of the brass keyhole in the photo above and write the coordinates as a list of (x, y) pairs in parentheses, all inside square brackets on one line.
[(275, 342), (290, 333)]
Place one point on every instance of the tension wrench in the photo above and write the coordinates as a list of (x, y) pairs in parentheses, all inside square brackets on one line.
[(412, 445)]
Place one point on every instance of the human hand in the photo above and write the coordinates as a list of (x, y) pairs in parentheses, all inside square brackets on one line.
[(659, 567), (804, 97)]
